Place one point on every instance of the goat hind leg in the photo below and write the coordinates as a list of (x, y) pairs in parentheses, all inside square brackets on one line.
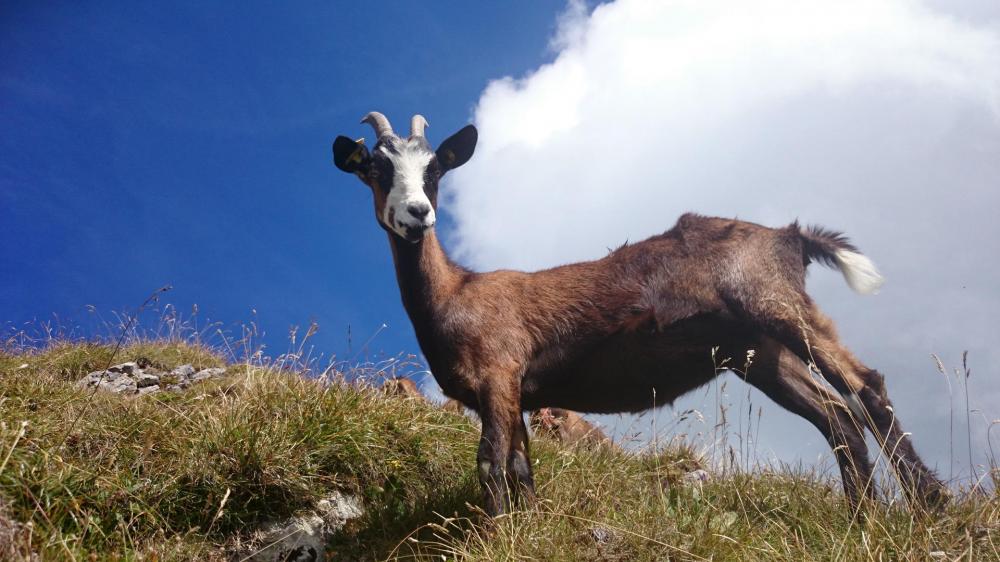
[(864, 389), (781, 375), (920, 483)]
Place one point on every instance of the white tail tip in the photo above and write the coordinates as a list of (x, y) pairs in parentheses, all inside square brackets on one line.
[(859, 271)]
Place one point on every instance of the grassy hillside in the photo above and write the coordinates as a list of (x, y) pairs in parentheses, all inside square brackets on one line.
[(183, 476)]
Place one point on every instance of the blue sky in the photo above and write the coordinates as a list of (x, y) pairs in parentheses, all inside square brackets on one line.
[(190, 145)]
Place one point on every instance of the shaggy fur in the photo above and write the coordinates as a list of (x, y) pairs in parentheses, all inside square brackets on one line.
[(568, 428)]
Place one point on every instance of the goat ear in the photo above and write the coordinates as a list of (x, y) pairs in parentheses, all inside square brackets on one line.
[(458, 148), (350, 156)]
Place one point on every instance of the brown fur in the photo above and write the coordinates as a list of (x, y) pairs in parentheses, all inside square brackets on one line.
[(454, 406), (636, 329), (406, 388), (401, 386), (568, 428)]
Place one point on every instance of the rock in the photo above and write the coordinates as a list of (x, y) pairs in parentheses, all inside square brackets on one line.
[(128, 368), (109, 376), (89, 380), (338, 509), (129, 378), (184, 371), (119, 385), (149, 390), (210, 373), (303, 538), (102, 378), (111, 381)]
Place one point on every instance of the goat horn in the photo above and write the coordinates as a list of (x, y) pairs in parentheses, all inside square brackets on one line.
[(379, 123), (417, 126)]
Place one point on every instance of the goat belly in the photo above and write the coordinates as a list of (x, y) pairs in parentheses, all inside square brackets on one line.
[(637, 371)]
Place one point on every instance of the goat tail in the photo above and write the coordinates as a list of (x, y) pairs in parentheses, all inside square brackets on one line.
[(833, 249)]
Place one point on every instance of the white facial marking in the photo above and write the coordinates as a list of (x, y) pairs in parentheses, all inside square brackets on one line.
[(407, 190)]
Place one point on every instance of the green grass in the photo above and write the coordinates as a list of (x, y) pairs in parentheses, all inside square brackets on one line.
[(144, 478)]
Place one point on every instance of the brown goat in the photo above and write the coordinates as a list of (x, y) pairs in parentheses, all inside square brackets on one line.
[(635, 329), (402, 386), (568, 428), (454, 406), (406, 388)]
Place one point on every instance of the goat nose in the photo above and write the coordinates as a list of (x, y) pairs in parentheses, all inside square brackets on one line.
[(418, 210)]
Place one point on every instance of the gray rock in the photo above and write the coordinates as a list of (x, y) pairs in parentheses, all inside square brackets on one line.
[(89, 380), (210, 373), (149, 390), (184, 371), (98, 377), (304, 537), (338, 509), (120, 385), (128, 368), (128, 378)]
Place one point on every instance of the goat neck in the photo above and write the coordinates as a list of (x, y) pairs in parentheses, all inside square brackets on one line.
[(426, 278)]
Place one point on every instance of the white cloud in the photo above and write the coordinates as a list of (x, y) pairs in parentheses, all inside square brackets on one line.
[(881, 118)]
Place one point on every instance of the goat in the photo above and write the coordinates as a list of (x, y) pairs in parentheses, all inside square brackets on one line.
[(453, 406), (406, 388), (568, 428), (630, 331), (402, 387)]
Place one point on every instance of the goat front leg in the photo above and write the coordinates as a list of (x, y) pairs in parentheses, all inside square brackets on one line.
[(499, 412)]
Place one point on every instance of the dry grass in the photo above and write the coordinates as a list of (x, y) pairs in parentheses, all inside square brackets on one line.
[(138, 475), (144, 478)]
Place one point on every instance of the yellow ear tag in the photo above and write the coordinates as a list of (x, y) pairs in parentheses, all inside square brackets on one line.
[(356, 155)]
